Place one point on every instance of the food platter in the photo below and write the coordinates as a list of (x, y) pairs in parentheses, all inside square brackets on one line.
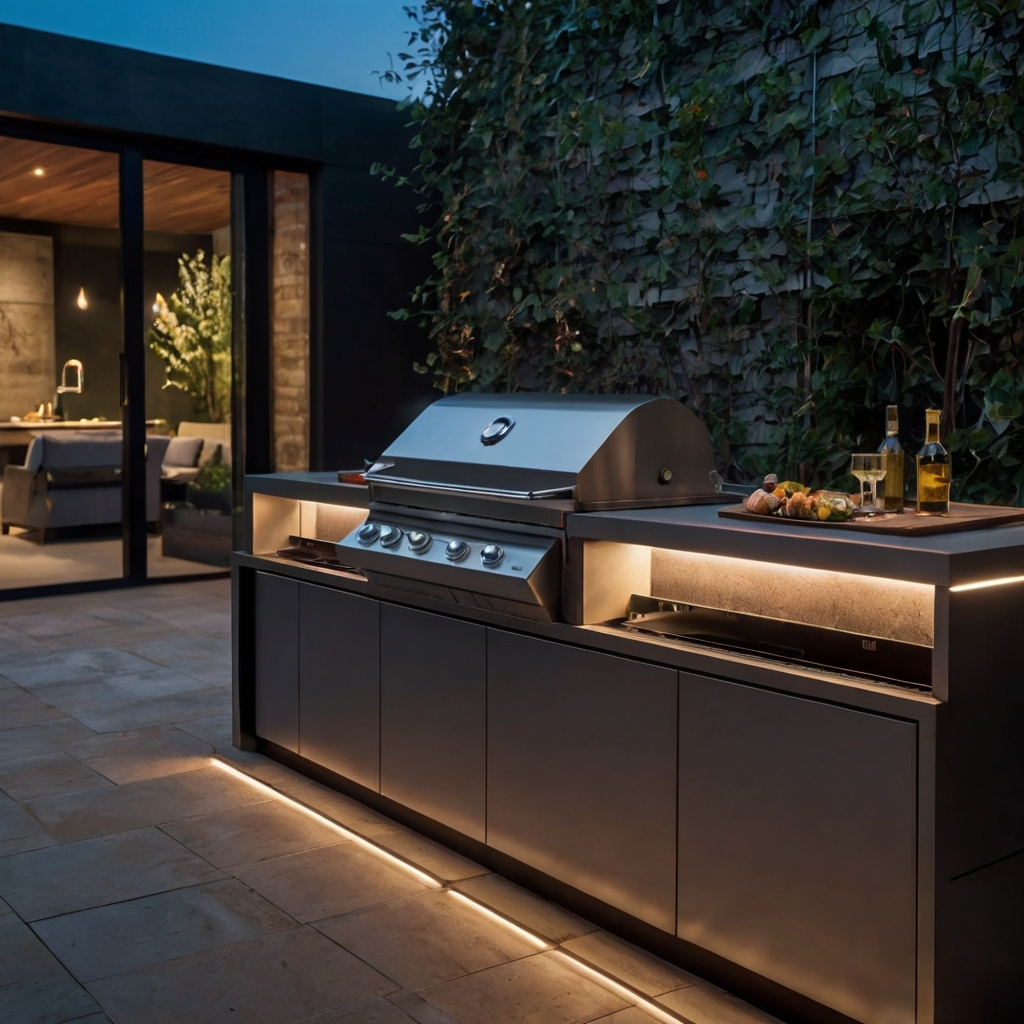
[(961, 517)]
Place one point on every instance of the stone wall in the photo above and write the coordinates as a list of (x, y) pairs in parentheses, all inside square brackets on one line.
[(290, 321), (27, 359)]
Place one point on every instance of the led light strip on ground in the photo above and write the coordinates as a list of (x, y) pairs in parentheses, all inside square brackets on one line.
[(581, 966), (366, 844)]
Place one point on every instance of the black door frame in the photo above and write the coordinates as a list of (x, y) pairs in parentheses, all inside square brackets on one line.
[(251, 209)]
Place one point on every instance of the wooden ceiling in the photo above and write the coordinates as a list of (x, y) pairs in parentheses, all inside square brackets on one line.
[(80, 187)]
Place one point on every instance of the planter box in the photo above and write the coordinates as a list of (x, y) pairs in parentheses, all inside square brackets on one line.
[(196, 535)]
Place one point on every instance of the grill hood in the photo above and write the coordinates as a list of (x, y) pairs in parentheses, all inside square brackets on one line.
[(599, 451)]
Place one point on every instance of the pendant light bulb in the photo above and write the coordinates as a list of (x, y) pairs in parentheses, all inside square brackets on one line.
[(83, 302)]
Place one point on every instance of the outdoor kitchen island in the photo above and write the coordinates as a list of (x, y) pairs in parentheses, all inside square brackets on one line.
[(823, 842)]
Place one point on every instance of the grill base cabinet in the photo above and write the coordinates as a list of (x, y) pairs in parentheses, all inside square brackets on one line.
[(581, 770), (433, 725), (798, 843), (831, 848), (339, 682), (277, 660)]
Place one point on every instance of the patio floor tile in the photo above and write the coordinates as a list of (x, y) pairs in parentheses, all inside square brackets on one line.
[(46, 775), (19, 831), (95, 872), (135, 934), (425, 940), (277, 979), (540, 988), (327, 881), (244, 835), (50, 737), (636, 967), (97, 812), (19, 708), (144, 754)]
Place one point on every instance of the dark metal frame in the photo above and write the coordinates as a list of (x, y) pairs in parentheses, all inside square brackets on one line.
[(251, 207)]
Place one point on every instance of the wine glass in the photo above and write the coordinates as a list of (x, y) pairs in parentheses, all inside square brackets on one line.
[(868, 468)]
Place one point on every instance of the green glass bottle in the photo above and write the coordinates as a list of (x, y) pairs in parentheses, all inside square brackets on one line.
[(932, 470), (892, 462)]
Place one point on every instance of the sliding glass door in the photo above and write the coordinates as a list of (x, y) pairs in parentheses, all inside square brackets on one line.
[(61, 341), (189, 308), (155, 321)]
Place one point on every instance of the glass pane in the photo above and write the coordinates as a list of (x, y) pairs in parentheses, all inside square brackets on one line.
[(188, 287), (290, 321), (60, 345)]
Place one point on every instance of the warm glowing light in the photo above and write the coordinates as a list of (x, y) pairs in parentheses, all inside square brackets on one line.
[(518, 930), (617, 987), (537, 941), (366, 844), (39, 172), (1001, 582), (83, 302)]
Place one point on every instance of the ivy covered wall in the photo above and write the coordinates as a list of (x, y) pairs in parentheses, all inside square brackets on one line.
[(784, 214)]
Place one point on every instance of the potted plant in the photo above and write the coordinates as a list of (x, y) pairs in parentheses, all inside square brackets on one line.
[(210, 491), (192, 333)]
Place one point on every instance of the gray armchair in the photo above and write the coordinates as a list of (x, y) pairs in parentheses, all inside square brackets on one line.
[(74, 479)]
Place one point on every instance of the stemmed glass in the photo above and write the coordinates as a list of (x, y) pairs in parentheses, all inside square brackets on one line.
[(868, 468)]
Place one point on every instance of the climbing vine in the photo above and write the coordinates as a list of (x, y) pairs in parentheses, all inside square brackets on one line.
[(785, 215)]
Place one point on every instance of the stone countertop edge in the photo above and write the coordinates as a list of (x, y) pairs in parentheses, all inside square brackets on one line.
[(941, 560)]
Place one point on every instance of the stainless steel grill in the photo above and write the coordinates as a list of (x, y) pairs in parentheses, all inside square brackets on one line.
[(468, 505)]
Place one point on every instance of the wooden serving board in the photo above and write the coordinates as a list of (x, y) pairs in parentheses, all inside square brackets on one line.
[(961, 517)]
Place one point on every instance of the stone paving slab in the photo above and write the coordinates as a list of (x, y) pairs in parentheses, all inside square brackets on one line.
[(284, 977), (92, 873), (144, 932)]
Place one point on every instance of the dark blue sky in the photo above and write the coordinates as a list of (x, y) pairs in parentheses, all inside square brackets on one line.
[(339, 43)]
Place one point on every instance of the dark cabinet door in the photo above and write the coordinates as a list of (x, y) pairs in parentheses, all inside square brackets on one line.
[(339, 682), (798, 844), (433, 720), (581, 770), (277, 660)]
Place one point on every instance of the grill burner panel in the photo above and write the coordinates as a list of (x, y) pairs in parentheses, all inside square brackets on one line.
[(515, 567)]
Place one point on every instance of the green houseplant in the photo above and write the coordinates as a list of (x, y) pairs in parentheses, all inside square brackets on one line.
[(191, 333)]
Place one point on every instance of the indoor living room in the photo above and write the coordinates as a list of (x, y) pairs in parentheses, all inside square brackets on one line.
[(62, 366)]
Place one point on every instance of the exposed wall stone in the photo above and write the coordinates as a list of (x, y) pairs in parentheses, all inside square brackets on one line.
[(290, 321), (27, 349)]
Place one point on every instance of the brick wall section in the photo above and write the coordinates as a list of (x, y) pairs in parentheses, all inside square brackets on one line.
[(290, 321)]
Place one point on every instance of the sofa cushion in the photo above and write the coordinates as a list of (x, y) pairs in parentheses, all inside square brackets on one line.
[(79, 449), (183, 452)]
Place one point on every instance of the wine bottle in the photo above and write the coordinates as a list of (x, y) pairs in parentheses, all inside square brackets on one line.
[(892, 462), (932, 470)]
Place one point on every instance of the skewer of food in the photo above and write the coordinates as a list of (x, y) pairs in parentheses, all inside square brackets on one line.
[(792, 500)]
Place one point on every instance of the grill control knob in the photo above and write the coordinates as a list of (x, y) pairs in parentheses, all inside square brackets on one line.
[(390, 536), (419, 541), (368, 534), (456, 550), (492, 554)]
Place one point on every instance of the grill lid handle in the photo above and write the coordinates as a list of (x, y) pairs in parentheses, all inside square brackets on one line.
[(497, 429)]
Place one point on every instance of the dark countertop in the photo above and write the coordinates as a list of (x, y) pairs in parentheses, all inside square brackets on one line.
[(309, 487), (940, 559)]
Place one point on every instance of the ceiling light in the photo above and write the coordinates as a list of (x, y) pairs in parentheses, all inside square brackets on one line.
[(83, 302), (39, 172)]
